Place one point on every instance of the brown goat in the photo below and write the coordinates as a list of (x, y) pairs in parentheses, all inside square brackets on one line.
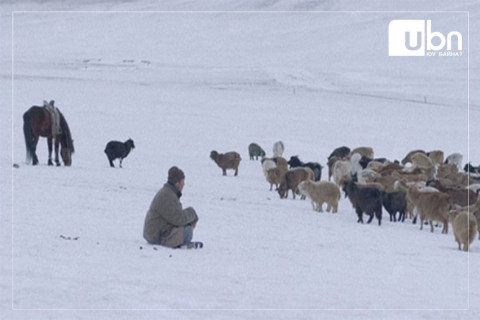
[(464, 228), (229, 160), (292, 179), (430, 205), (460, 196), (275, 176)]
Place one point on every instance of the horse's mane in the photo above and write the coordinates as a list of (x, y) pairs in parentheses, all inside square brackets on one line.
[(66, 134)]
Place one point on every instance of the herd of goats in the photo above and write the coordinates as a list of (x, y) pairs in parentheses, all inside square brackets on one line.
[(423, 184)]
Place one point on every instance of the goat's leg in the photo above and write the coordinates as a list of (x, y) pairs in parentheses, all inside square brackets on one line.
[(378, 214), (359, 214), (370, 218)]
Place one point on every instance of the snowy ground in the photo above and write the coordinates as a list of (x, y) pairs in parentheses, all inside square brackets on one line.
[(186, 82)]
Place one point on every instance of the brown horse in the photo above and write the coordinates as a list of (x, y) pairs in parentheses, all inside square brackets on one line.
[(37, 122)]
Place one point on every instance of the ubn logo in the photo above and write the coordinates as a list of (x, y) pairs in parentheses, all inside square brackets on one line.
[(415, 38)]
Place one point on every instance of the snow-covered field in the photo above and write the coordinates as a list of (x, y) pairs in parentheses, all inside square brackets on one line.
[(182, 78)]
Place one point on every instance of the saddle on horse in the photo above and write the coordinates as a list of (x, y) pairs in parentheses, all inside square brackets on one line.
[(54, 115)]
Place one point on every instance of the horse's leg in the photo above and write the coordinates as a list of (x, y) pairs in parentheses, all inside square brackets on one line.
[(49, 143), (57, 143), (34, 151)]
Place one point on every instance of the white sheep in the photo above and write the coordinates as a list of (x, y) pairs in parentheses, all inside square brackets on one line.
[(354, 160), (420, 160), (456, 159), (464, 228), (342, 171), (319, 192), (367, 175), (267, 164), (363, 151), (278, 149)]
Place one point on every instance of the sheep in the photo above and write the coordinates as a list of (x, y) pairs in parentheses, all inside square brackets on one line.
[(393, 202), (386, 181), (340, 153), (275, 176), (118, 150), (364, 199), (429, 205), (255, 151), (387, 169), (273, 163), (278, 149), (281, 162), (291, 180), (319, 192), (407, 158), (414, 176), (475, 210), (448, 171), (295, 162), (436, 156), (342, 171), (354, 160), (368, 175), (267, 164), (456, 159), (228, 160), (464, 228), (420, 160), (363, 151), (459, 196), (474, 187), (330, 165), (364, 183), (376, 166)]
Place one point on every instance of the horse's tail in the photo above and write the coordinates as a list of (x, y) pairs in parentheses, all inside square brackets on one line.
[(28, 133)]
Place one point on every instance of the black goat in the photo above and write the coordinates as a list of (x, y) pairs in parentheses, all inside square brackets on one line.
[(470, 169), (364, 161), (364, 199), (393, 202), (295, 162), (340, 152), (118, 150)]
